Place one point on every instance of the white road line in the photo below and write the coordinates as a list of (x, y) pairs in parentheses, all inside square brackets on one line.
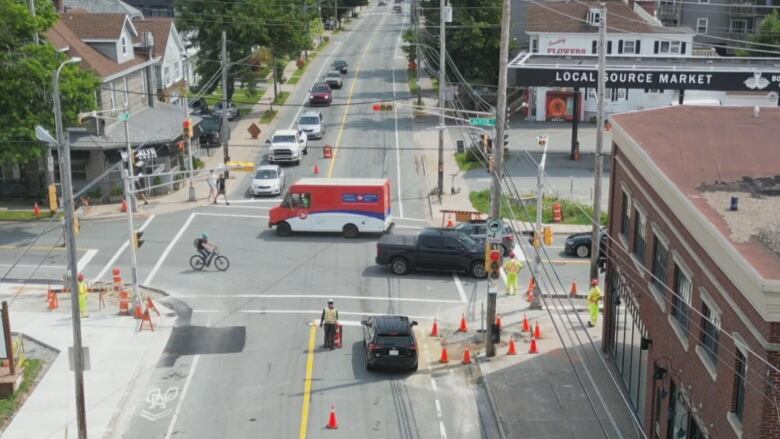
[(308, 296), (85, 259), (120, 250), (395, 119), (459, 287), (261, 200), (300, 311), (397, 226), (441, 430), (183, 395), (236, 215), (168, 249), (438, 408), (433, 385), (242, 207), (411, 219), (56, 267), (319, 73)]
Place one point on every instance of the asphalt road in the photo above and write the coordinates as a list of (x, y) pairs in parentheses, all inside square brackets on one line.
[(243, 360)]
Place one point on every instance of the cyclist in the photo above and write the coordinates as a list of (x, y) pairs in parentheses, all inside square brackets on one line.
[(204, 247)]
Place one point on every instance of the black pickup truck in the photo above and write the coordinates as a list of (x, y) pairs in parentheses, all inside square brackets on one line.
[(432, 249)]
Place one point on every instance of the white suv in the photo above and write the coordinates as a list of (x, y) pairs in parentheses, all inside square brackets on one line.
[(312, 123), (287, 146)]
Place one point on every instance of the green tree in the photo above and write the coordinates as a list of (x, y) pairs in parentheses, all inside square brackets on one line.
[(473, 38), (768, 35), (26, 72)]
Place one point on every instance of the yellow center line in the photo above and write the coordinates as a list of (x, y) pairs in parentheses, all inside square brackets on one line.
[(307, 383), (349, 99)]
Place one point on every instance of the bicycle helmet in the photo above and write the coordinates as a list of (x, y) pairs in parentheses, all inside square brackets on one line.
[(204, 235)]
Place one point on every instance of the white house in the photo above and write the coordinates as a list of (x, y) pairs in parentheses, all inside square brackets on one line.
[(168, 46)]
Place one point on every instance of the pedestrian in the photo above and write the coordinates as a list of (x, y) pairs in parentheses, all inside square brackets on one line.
[(83, 296), (221, 189), (330, 318), (139, 189), (212, 182), (594, 297), (512, 268)]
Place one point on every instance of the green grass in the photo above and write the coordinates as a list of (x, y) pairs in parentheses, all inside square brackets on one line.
[(268, 116), (281, 98), (466, 165), (573, 212), (24, 215), (241, 96), (9, 406)]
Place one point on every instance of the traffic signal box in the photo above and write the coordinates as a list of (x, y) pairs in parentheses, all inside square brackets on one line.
[(495, 264), (382, 107), (186, 126), (137, 241)]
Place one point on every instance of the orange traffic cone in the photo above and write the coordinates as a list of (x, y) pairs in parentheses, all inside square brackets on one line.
[(537, 331), (498, 322), (573, 291), (333, 423), (464, 327), (316, 169), (526, 325), (530, 298), (123, 206), (531, 286), (512, 348), (435, 328), (533, 349), (150, 305), (137, 311), (445, 358), (51, 297), (467, 356), (36, 209)]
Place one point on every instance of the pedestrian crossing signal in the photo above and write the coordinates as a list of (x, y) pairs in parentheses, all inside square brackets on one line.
[(137, 241)]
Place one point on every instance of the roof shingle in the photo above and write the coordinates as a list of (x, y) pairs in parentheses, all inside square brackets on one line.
[(570, 17)]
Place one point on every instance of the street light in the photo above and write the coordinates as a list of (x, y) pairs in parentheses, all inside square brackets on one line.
[(63, 149)]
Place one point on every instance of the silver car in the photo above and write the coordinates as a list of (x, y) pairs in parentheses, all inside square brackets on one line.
[(333, 79), (312, 123), (268, 180)]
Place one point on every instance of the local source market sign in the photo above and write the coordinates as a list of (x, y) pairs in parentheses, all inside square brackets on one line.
[(676, 80)]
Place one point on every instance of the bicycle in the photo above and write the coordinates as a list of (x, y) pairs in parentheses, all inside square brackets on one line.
[(198, 262)]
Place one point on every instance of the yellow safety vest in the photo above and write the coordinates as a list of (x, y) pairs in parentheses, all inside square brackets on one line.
[(513, 266), (331, 315), (82, 288), (594, 295)]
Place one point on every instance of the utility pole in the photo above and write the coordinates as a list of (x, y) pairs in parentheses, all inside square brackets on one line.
[(63, 150), (129, 195), (336, 9), (187, 137), (498, 158), (442, 82), (319, 13), (225, 127), (599, 165), (536, 303), (31, 4), (416, 23)]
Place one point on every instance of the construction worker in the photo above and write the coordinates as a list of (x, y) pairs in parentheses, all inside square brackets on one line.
[(594, 297), (82, 296), (512, 268), (330, 318)]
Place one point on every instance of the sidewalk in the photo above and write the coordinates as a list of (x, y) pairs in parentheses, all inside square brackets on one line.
[(119, 357)]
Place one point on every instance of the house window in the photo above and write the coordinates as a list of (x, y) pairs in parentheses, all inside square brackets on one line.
[(167, 75), (534, 45), (618, 94), (124, 46), (653, 91), (629, 46), (738, 400), (639, 236), (113, 98), (625, 216), (669, 47), (710, 326), (660, 263), (681, 299), (701, 25), (738, 26), (177, 70), (9, 172)]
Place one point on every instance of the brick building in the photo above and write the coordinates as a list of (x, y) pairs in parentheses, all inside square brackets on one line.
[(692, 306)]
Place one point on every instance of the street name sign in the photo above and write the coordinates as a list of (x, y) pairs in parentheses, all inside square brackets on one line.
[(482, 121)]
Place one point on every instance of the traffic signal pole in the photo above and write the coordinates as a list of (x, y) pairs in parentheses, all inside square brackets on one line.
[(129, 195)]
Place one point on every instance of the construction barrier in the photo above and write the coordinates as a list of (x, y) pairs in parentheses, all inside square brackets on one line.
[(51, 298)]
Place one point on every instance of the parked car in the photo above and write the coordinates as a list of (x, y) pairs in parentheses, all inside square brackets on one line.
[(579, 244), (198, 106), (312, 123), (268, 180), (477, 229), (339, 65), (432, 249), (320, 94), (397, 8), (389, 341), (287, 146), (382, 3), (333, 79), (232, 111), (210, 128)]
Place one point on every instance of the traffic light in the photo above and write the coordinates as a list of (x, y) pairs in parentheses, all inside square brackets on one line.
[(495, 264), (382, 107), (506, 140), (187, 128), (137, 241)]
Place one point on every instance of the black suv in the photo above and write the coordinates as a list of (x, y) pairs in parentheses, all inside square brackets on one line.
[(339, 65), (389, 341), (210, 128)]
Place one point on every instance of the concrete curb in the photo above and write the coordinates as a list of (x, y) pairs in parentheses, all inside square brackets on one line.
[(35, 340)]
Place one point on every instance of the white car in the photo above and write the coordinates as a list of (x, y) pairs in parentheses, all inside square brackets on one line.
[(268, 180), (287, 146), (312, 123)]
